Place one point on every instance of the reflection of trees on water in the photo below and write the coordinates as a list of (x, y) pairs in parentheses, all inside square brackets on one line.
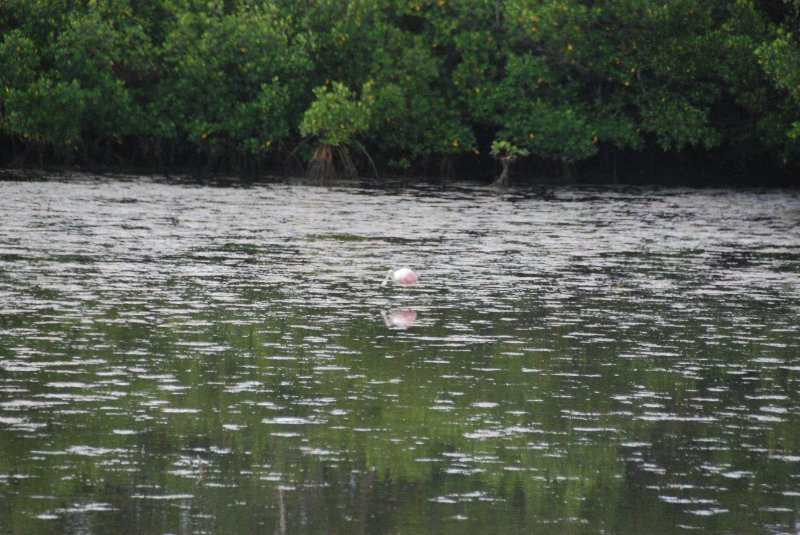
[(620, 392)]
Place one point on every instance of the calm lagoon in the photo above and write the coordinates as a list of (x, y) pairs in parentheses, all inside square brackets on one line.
[(183, 358)]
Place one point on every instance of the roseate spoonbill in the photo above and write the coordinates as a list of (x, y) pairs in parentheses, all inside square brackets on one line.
[(404, 276)]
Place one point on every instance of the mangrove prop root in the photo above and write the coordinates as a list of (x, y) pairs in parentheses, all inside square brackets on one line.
[(322, 166)]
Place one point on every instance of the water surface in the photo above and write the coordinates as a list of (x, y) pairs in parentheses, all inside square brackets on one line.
[(179, 358)]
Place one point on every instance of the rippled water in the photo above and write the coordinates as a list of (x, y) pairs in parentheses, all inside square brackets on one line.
[(177, 358)]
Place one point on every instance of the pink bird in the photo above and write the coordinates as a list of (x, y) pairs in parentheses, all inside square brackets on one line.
[(403, 276)]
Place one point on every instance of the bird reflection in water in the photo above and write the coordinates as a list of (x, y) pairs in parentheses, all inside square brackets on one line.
[(399, 318)]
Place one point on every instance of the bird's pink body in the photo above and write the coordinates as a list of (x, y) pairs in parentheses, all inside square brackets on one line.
[(404, 276)]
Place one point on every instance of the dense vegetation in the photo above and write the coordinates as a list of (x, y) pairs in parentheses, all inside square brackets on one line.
[(410, 86)]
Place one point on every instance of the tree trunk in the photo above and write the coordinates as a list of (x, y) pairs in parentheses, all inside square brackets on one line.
[(505, 176), (568, 174)]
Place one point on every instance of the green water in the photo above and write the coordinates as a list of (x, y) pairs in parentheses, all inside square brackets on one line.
[(177, 358)]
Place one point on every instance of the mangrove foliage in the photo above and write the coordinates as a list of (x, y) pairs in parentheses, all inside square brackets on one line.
[(336, 87)]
